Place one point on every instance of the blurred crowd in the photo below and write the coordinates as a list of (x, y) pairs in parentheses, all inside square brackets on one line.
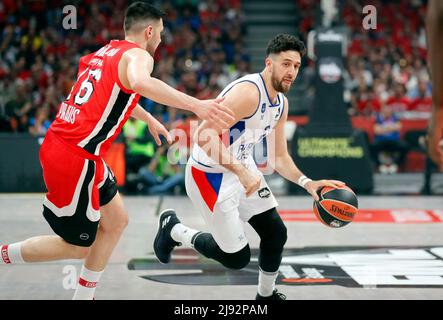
[(386, 66), (386, 78)]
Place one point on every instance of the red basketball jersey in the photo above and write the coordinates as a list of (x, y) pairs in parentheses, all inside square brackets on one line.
[(98, 105)]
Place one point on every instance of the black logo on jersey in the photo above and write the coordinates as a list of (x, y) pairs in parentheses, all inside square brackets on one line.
[(264, 193)]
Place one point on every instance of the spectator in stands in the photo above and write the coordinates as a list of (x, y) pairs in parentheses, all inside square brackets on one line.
[(399, 102), (171, 176), (388, 150), (368, 104), (17, 109), (140, 149), (40, 124), (423, 100)]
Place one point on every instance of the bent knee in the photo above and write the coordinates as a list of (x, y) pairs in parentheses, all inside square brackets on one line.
[(276, 237), (237, 260), (282, 235), (78, 252), (117, 224)]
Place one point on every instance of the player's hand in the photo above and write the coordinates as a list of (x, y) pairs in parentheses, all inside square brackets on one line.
[(313, 186), (434, 144), (250, 181), (218, 116), (156, 129)]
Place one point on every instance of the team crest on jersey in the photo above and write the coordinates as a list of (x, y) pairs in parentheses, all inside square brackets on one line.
[(277, 115), (263, 108)]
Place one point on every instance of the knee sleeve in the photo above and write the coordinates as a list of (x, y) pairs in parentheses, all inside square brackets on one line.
[(273, 234), (206, 245), (271, 229)]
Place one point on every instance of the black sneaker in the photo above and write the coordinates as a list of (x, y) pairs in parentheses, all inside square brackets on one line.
[(163, 243), (274, 296)]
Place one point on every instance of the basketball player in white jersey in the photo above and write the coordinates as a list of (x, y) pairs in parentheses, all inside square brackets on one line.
[(224, 183)]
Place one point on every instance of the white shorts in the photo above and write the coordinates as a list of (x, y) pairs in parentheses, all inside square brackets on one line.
[(221, 200)]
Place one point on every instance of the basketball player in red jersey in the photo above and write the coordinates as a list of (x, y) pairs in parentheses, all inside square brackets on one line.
[(82, 205), (435, 47)]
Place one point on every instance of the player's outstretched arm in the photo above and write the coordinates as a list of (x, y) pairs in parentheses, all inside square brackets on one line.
[(154, 126), (282, 162), (435, 56), (242, 99), (135, 68)]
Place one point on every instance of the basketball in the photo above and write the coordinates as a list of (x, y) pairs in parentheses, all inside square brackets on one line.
[(337, 206)]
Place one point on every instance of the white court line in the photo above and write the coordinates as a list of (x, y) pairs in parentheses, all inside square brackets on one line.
[(22, 195)]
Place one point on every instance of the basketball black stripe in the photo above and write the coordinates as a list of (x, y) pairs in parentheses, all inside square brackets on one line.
[(342, 195), (328, 218), (111, 121)]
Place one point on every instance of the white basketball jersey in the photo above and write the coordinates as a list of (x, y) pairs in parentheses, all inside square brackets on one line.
[(248, 131)]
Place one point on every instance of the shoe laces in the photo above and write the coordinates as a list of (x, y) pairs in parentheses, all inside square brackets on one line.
[(278, 295)]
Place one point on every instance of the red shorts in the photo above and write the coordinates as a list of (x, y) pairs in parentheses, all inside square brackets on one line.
[(78, 184)]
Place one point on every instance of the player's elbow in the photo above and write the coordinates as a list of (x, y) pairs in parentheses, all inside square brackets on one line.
[(278, 161), (137, 85), (141, 86)]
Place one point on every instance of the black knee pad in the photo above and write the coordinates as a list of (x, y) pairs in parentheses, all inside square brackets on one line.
[(237, 260), (206, 245), (273, 235), (271, 229)]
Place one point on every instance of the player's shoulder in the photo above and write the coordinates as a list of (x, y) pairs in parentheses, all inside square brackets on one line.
[(137, 53), (250, 86), (245, 94)]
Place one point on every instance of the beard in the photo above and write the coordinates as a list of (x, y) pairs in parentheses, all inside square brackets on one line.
[(151, 49), (279, 86)]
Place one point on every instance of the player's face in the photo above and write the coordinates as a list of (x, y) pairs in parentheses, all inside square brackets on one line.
[(153, 32), (285, 67)]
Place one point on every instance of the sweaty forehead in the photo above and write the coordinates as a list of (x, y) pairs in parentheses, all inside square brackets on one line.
[(293, 56)]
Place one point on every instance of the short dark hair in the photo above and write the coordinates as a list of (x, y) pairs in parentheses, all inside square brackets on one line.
[(139, 11), (285, 42)]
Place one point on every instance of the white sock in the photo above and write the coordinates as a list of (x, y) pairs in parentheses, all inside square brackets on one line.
[(11, 254), (87, 284), (183, 234), (266, 282)]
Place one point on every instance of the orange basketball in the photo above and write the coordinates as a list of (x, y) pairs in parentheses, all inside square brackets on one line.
[(336, 207)]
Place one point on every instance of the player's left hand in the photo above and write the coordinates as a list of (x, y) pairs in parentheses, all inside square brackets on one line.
[(313, 186), (156, 129)]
